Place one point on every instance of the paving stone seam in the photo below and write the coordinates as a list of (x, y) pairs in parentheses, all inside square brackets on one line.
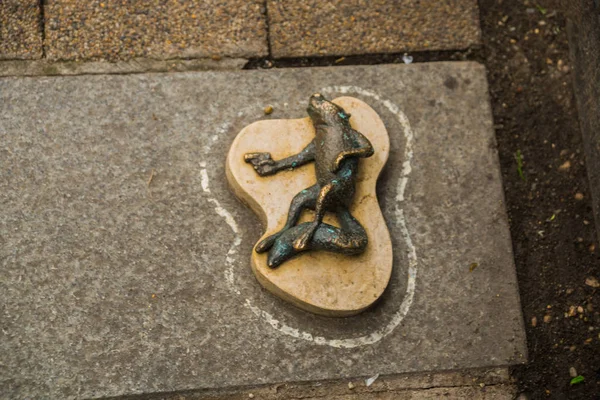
[(268, 28), (45, 67), (210, 394), (298, 390), (42, 27)]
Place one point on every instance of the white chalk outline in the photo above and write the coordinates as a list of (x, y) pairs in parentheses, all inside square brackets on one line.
[(399, 315)]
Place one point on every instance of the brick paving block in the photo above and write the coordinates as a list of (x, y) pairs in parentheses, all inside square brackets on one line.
[(163, 29), (20, 29), (300, 28)]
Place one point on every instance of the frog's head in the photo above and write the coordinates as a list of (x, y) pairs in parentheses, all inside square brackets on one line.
[(322, 111)]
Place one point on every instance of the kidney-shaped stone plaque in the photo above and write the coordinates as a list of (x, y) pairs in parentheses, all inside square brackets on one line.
[(326, 247)]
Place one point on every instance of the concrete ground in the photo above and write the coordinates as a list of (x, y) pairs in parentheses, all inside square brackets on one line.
[(120, 253)]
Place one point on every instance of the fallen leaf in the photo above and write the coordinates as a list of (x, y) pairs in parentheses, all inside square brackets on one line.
[(577, 379)]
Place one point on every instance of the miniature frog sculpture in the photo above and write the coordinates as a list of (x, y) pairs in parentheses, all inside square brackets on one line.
[(335, 150)]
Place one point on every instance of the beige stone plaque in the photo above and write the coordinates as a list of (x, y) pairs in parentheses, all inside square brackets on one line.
[(317, 281)]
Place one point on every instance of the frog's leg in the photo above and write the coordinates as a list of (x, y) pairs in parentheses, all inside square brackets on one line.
[(349, 239), (320, 208), (353, 237), (304, 199)]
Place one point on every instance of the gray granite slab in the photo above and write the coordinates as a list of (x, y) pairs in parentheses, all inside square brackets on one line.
[(300, 28), (124, 258)]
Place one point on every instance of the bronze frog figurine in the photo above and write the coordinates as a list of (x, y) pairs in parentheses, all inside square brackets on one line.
[(335, 150)]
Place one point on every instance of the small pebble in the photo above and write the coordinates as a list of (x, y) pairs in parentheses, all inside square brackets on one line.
[(592, 281), (547, 318), (572, 372), (268, 110), (578, 196), (580, 310), (350, 385), (534, 322), (565, 166), (251, 395)]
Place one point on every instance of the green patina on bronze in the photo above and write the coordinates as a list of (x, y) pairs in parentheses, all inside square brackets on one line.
[(335, 150)]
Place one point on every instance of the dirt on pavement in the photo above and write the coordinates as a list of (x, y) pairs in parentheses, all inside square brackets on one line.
[(547, 194)]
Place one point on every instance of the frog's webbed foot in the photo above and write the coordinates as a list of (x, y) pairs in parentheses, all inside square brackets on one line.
[(302, 241), (349, 239), (266, 243), (282, 248), (262, 163)]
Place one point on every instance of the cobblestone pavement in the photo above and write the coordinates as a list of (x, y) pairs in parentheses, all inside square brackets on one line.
[(123, 30)]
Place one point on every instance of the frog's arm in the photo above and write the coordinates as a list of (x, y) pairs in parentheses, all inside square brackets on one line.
[(362, 148), (265, 165)]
